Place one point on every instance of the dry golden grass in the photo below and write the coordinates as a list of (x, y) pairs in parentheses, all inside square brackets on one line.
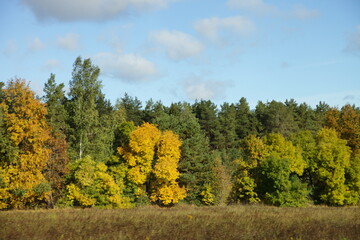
[(183, 222)]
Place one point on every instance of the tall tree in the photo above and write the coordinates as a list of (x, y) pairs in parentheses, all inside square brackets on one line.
[(139, 155), (153, 110), (25, 124), (227, 121), (133, 108), (246, 121), (206, 112), (333, 156), (165, 188), (82, 109), (56, 167), (276, 117), (196, 164), (306, 118), (349, 127)]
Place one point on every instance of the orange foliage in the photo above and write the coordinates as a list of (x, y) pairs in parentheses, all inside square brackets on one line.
[(24, 118)]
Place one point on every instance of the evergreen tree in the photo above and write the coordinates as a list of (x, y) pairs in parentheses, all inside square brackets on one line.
[(206, 112), (246, 121), (196, 164), (227, 121), (275, 117), (56, 167), (133, 109), (306, 118)]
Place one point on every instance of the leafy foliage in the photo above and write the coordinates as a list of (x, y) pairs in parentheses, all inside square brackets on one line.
[(92, 185), (25, 125), (165, 188)]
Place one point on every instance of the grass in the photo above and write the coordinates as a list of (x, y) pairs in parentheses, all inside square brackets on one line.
[(183, 222)]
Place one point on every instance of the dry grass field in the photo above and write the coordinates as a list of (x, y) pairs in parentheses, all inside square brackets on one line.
[(184, 222)]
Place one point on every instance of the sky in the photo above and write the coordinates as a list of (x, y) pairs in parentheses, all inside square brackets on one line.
[(183, 50)]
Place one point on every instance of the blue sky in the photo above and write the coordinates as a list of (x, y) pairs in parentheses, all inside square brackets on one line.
[(182, 50)]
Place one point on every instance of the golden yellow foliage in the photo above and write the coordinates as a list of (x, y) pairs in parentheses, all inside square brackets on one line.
[(25, 123), (139, 153), (93, 185), (148, 152), (166, 189)]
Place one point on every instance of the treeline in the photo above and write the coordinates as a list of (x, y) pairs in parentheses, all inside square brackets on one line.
[(77, 149)]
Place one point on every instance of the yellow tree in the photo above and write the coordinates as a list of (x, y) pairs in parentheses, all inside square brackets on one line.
[(165, 189), (92, 185), (25, 124), (139, 154), (151, 153)]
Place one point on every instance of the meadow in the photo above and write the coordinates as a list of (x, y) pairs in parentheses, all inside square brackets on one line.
[(184, 222)]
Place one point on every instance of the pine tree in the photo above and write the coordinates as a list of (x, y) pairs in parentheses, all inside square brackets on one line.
[(196, 163), (56, 167)]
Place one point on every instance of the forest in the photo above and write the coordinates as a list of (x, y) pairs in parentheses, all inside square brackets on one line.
[(76, 149)]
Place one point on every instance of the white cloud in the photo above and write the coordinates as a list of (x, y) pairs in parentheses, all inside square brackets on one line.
[(93, 10), (178, 45), (127, 67), (257, 6), (214, 28), (300, 12), (353, 42), (10, 48), (51, 64), (36, 45), (197, 88), (69, 41)]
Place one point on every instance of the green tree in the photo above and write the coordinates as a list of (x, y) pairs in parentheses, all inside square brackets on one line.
[(254, 151), (333, 157), (56, 167), (153, 110), (279, 182), (275, 117), (206, 112), (132, 108), (227, 121), (85, 89), (196, 164), (305, 117), (246, 120)]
